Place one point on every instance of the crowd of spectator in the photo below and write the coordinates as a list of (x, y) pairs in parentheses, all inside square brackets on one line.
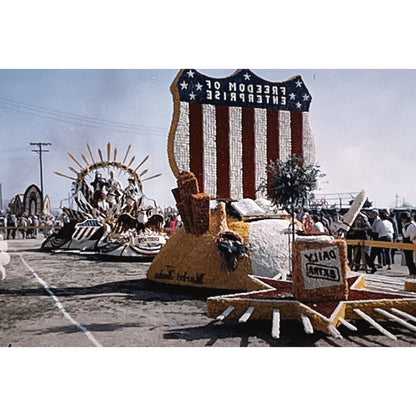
[(27, 226), (387, 225)]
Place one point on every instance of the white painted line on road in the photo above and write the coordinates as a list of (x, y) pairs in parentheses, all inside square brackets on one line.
[(60, 306)]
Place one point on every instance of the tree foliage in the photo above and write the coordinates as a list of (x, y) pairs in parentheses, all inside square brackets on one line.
[(290, 182)]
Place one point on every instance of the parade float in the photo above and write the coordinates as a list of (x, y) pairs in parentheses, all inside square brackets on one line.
[(224, 133), (113, 218)]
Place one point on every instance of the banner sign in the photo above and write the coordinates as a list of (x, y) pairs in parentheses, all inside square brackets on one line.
[(226, 130)]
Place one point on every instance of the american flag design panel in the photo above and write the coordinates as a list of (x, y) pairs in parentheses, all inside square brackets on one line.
[(85, 229), (226, 130)]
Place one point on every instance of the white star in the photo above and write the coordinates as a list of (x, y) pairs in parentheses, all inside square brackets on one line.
[(184, 85), (298, 83), (190, 73), (292, 96), (305, 97), (192, 96), (199, 87), (298, 105), (247, 76)]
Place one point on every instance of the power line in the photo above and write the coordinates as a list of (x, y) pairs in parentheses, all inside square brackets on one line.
[(39, 150), (72, 115), (85, 121)]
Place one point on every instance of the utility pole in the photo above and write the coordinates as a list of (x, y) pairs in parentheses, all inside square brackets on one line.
[(40, 150)]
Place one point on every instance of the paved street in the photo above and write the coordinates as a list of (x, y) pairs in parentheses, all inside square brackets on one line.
[(63, 300)]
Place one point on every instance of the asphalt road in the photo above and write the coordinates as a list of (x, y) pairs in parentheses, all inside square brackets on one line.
[(63, 300)]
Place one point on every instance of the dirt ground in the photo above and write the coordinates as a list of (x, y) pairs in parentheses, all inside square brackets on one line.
[(66, 300)]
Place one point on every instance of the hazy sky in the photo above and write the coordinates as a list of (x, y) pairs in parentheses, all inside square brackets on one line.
[(362, 121)]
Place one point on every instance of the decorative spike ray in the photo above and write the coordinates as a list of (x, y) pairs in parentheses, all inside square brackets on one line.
[(64, 176), (225, 313), (108, 151), (307, 324), (85, 159), (127, 153), (73, 170), (376, 325), (87, 208), (90, 152), (404, 314), (141, 163), (152, 177), (396, 319), (348, 324), (75, 160), (115, 154), (349, 217), (143, 173), (245, 317), (276, 324), (334, 331), (100, 153), (131, 161)]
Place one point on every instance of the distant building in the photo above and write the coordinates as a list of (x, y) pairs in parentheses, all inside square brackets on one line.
[(30, 203), (16, 205)]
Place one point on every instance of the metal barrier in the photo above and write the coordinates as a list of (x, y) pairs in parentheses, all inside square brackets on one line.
[(383, 244), (361, 244), (40, 228), (32, 227)]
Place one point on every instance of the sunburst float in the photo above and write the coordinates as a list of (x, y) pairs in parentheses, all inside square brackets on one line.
[(118, 219), (86, 172)]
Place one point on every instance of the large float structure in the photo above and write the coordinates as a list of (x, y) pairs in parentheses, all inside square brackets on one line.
[(114, 218), (224, 132)]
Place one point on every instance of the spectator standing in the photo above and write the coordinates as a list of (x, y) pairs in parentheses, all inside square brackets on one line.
[(318, 227), (173, 224), (336, 224), (35, 226), (307, 222), (409, 236), (13, 225), (387, 233), (325, 222), (360, 231), (393, 220), (377, 231), (29, 232), (23, 225)]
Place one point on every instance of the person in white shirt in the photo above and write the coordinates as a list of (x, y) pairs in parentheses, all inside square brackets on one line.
[(387, 235), (409, 236), (114, 187), (379, 233), (318, 227), (335, 224)]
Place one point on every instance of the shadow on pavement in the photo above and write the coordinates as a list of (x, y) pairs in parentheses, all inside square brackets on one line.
[(72, 329), (134, 290), (292, 333)]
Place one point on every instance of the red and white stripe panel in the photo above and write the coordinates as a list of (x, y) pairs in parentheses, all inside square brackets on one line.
[(228, 148), (84, 233)]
